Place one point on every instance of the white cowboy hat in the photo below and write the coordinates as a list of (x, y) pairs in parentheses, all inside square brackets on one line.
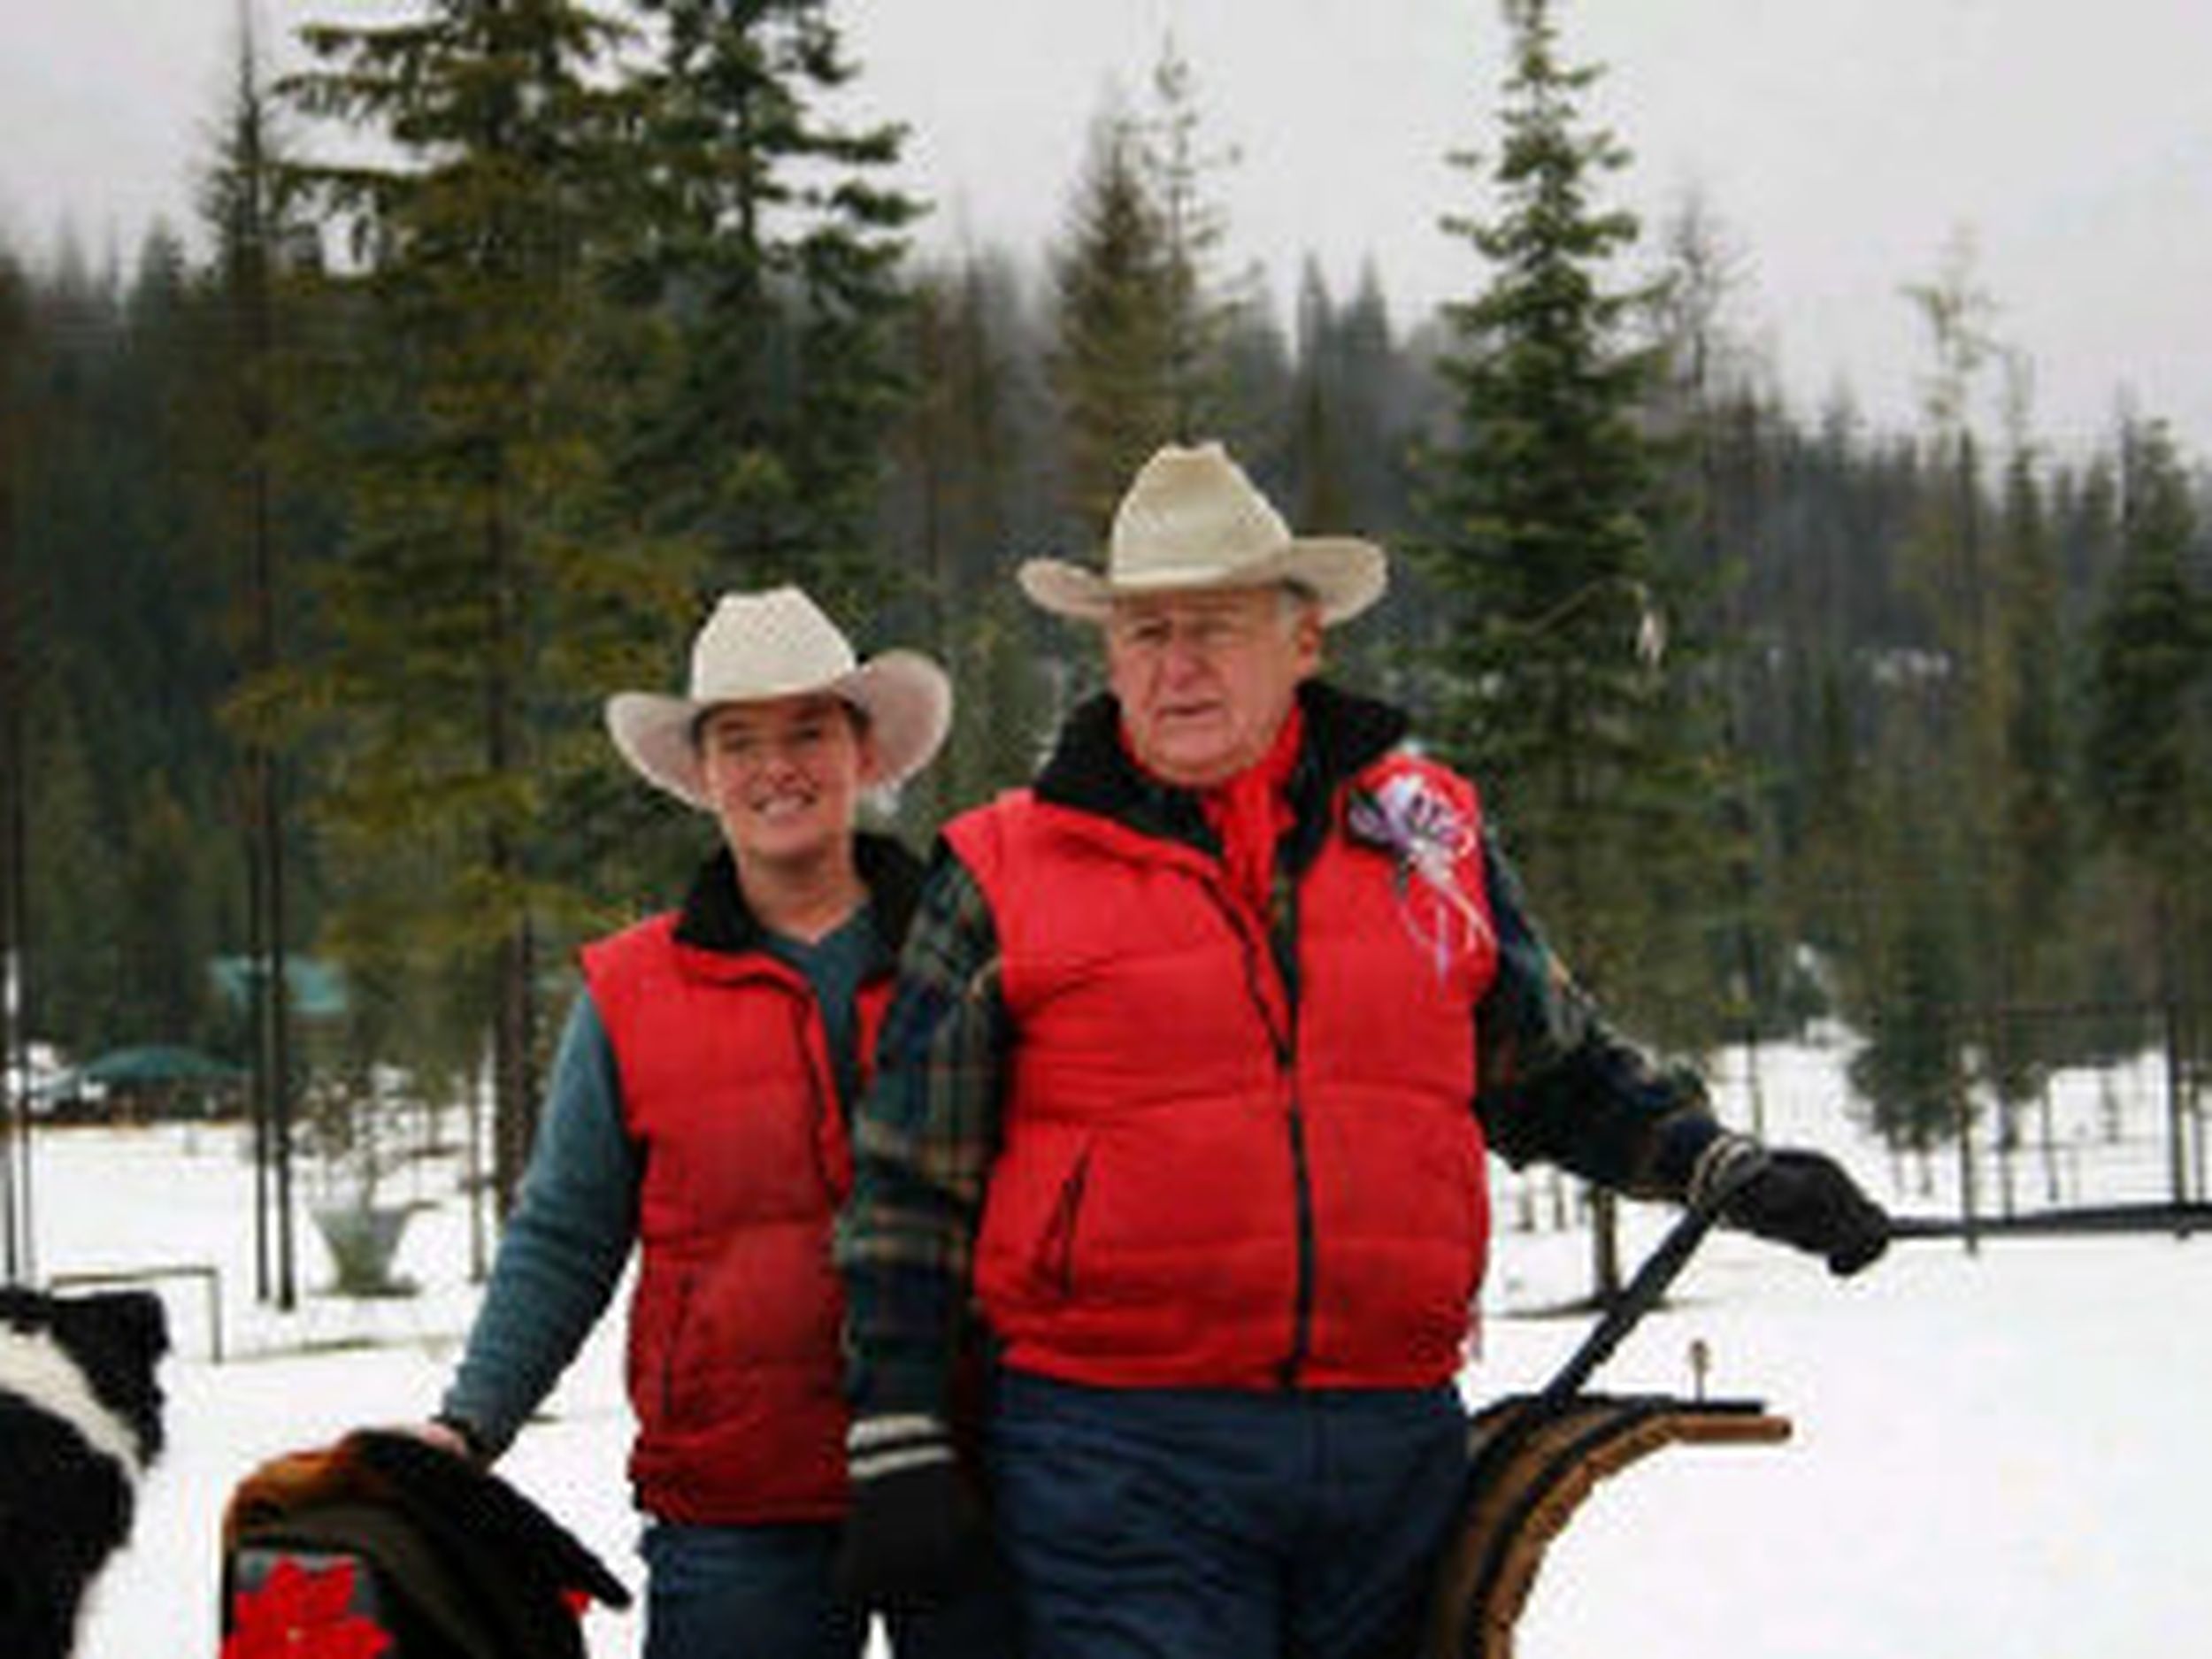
[(779, 644), (1192, 520)]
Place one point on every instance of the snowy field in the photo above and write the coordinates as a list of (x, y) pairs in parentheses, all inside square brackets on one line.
[(1997, 1457)]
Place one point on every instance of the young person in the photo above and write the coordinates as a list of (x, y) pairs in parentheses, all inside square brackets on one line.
[(698, 1114)]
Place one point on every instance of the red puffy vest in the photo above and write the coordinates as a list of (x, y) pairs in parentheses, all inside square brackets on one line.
[(1213, 1174), (735, 1365)]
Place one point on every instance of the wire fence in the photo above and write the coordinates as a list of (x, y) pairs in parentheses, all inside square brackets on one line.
[(2101, 1115)]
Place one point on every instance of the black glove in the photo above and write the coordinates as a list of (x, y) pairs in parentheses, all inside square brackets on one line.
[(916, 1535), (1802, 1199)]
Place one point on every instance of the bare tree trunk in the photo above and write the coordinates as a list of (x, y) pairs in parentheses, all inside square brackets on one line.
[(15, 1116), (514, 1088), (515, 1117)]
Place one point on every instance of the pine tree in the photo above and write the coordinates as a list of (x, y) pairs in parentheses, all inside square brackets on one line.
[(774, 250), (962, 503), (1948, 570), (484, 588), (2031, 873), (2151, 671), (1710, 415), (2150, 657), (1113, 323), (1203, 319), (254, 237), (75, 972), (1911, 1068), (117, 628), (1543, 508), (1150, 344), (168, 934), (1350, 418), (1255, 375)]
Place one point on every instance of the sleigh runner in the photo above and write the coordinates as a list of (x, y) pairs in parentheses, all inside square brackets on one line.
[(1530, 1465), (1534, 1458)]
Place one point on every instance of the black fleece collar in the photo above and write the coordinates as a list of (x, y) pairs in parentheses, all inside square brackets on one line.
[(715, 916), (1091, 771)]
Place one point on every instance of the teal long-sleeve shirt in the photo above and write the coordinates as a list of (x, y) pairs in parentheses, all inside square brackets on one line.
[(564, 1249)]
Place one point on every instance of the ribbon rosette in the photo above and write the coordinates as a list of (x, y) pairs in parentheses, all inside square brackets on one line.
[(1409, 817)]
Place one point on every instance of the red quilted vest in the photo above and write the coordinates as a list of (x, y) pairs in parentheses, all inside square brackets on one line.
[(1212, 1175), (734, 1367)]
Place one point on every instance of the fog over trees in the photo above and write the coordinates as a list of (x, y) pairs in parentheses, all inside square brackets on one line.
[(319, 550)]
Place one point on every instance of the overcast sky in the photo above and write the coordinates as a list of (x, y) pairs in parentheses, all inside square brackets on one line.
[(1842, 144)]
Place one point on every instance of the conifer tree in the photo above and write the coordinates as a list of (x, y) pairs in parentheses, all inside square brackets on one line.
[(1710, 417), (1202, 318), (1379, 409), (2031, 873), (1151, 344), (1348, 430), (1112, 325), (254, 235), (1947, 570), (1542, 509), (775, 237), (1321, 487), (1352, 411), (485, 589), (965, 501), (2149, 768), (117, 627), (1912, 1069), (76, 976)]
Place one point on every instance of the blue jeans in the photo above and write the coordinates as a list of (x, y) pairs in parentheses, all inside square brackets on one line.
[(764, 1592), (1199, 1524)]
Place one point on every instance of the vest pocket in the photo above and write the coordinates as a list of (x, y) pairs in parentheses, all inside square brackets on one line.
[(659, 1313), (672, 1342), (1056, 1246)]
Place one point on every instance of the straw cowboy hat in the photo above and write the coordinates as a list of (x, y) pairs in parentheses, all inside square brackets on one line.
[(779, 644), (1192, 520)]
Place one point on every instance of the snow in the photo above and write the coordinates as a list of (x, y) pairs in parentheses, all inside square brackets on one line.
[(1997, 1456)]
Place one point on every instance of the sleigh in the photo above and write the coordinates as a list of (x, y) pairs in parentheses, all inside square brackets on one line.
[(1534, 1458)]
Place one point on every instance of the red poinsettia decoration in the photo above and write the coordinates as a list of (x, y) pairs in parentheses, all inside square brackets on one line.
[(298, 1613)]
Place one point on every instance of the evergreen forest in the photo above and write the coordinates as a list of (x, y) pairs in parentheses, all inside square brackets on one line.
[(508, 332)]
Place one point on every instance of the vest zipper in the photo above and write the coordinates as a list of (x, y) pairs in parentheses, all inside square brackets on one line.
[(821, 1075), (1284, 1040), (1301, 1175), (1302, 1190)]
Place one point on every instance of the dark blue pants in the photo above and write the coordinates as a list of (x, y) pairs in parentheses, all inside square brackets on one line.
[(764, 1592), (1171, 1523)]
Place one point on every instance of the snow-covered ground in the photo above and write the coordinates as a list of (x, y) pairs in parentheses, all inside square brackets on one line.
[(1997, 1457)]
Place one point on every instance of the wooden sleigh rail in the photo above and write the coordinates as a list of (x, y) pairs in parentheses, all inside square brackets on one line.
[(1532, 1460)]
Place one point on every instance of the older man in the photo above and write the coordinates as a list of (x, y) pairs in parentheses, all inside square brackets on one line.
[(1197, 1048)]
